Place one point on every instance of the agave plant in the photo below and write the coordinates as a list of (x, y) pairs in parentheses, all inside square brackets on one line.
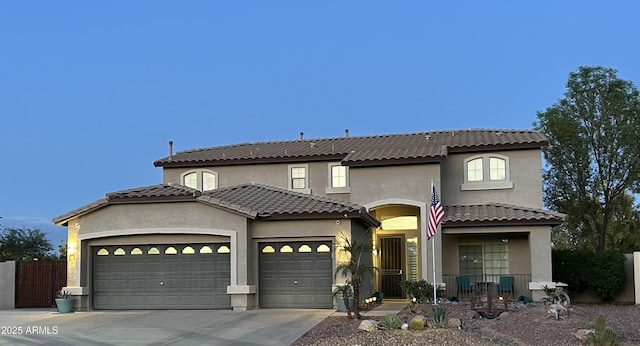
[(354, 267)]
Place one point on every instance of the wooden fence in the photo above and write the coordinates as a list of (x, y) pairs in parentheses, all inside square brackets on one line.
[(38, 281)]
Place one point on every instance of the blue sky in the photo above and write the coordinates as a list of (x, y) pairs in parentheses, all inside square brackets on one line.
[(91, 92)]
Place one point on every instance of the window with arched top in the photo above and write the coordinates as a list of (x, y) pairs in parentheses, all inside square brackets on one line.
[(119, 252), (170, 251), (188, 250), (136, 251), (323, 248), (486, 172), (103, 252), (200, 179), (286, 249), (153, 251), (268, 249), (304, 248), (206, 249), (224, 249)]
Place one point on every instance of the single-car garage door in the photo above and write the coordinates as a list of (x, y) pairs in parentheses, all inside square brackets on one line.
[(182, 276), (296, 275)]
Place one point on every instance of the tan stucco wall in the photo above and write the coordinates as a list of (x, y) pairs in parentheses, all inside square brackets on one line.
[(410, 182), (117, 218), (526, 175)]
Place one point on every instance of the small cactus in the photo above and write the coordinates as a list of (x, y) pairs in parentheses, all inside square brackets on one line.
[(416, 323), (602, 334)]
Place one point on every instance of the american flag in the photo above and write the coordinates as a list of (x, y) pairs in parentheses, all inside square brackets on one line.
[(436, 214)]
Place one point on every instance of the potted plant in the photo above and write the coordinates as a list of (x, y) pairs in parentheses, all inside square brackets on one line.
[(64, 302), (344, 298)]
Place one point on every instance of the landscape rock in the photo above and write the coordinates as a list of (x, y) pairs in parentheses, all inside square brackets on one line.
[(454, 323), (583, 335), (368, 325)]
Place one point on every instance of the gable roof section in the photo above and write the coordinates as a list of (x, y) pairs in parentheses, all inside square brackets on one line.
[(360, 150), (254, 201), (498, 214), (268, 202)]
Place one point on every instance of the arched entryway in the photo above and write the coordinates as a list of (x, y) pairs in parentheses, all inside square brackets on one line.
[(397, 247)]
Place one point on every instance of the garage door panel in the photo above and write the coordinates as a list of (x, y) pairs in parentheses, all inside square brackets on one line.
[(160, 281), (279, 272)]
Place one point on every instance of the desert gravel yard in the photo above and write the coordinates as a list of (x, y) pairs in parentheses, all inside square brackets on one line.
[(528, 325)]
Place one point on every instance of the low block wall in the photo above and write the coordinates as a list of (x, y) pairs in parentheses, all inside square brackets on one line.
[(7, 285)]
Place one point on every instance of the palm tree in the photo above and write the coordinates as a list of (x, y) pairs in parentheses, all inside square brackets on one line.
[(354, 268)]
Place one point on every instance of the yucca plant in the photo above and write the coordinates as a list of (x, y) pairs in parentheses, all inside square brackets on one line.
[(390, 321), (439, 316)]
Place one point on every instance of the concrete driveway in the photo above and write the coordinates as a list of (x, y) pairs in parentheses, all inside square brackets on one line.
[(161, 327)]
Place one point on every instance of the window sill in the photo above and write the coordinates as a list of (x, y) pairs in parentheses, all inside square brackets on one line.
[(484, 185), (307, 191), (331, 190)]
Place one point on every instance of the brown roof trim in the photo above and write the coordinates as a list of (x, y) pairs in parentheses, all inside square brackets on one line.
[(498, 215)]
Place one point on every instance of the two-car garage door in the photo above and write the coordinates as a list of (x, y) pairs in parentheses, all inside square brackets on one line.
[(180, 276)]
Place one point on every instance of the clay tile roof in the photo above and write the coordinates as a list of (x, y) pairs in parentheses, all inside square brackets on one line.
[(360, 150), (160, 191), (496, 214), (251, 200), (265, 201)]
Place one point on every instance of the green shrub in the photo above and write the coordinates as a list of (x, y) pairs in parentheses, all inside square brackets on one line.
[(391, 321), (439, 316), (416, 323), (608, 274), (421, 290), (603, 335), (602, 272)]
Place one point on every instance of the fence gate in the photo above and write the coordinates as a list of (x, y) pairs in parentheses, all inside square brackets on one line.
[(38, 281)]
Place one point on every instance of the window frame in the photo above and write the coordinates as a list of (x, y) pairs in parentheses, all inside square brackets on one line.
[(333, 189), (199, 178), (306, 188), (486, 183)]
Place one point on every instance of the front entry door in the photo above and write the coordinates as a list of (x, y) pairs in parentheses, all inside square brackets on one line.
[(391, 266)]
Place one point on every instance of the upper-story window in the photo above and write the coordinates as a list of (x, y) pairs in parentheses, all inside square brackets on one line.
[(487, 171), (299, 178), (338, 178), (201, 179)]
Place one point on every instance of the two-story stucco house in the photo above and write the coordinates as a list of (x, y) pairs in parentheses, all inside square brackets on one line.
[(260, 224)]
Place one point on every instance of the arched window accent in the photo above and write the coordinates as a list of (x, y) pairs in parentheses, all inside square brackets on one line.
[(136, 251), (286, 249), (224, 249), (153, 251), (188, 250), (103, 252), (268, 249), (119, 252), (304, 248), (486, 172), (170, 251), (323, 248), (206, 249), (200, 179)]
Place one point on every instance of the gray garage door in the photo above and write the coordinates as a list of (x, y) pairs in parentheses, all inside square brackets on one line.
[(182, 276), (296, 275)]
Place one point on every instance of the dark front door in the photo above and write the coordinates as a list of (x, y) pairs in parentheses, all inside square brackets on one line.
[(391, 266)]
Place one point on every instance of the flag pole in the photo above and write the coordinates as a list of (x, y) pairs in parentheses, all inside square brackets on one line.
[(433, 255)]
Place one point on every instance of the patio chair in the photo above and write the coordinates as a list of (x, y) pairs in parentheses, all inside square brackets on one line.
[(506, 286), (464, 285)]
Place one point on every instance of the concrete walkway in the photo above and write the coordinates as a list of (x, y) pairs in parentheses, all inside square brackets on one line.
[(157, 327), (387, 306)]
